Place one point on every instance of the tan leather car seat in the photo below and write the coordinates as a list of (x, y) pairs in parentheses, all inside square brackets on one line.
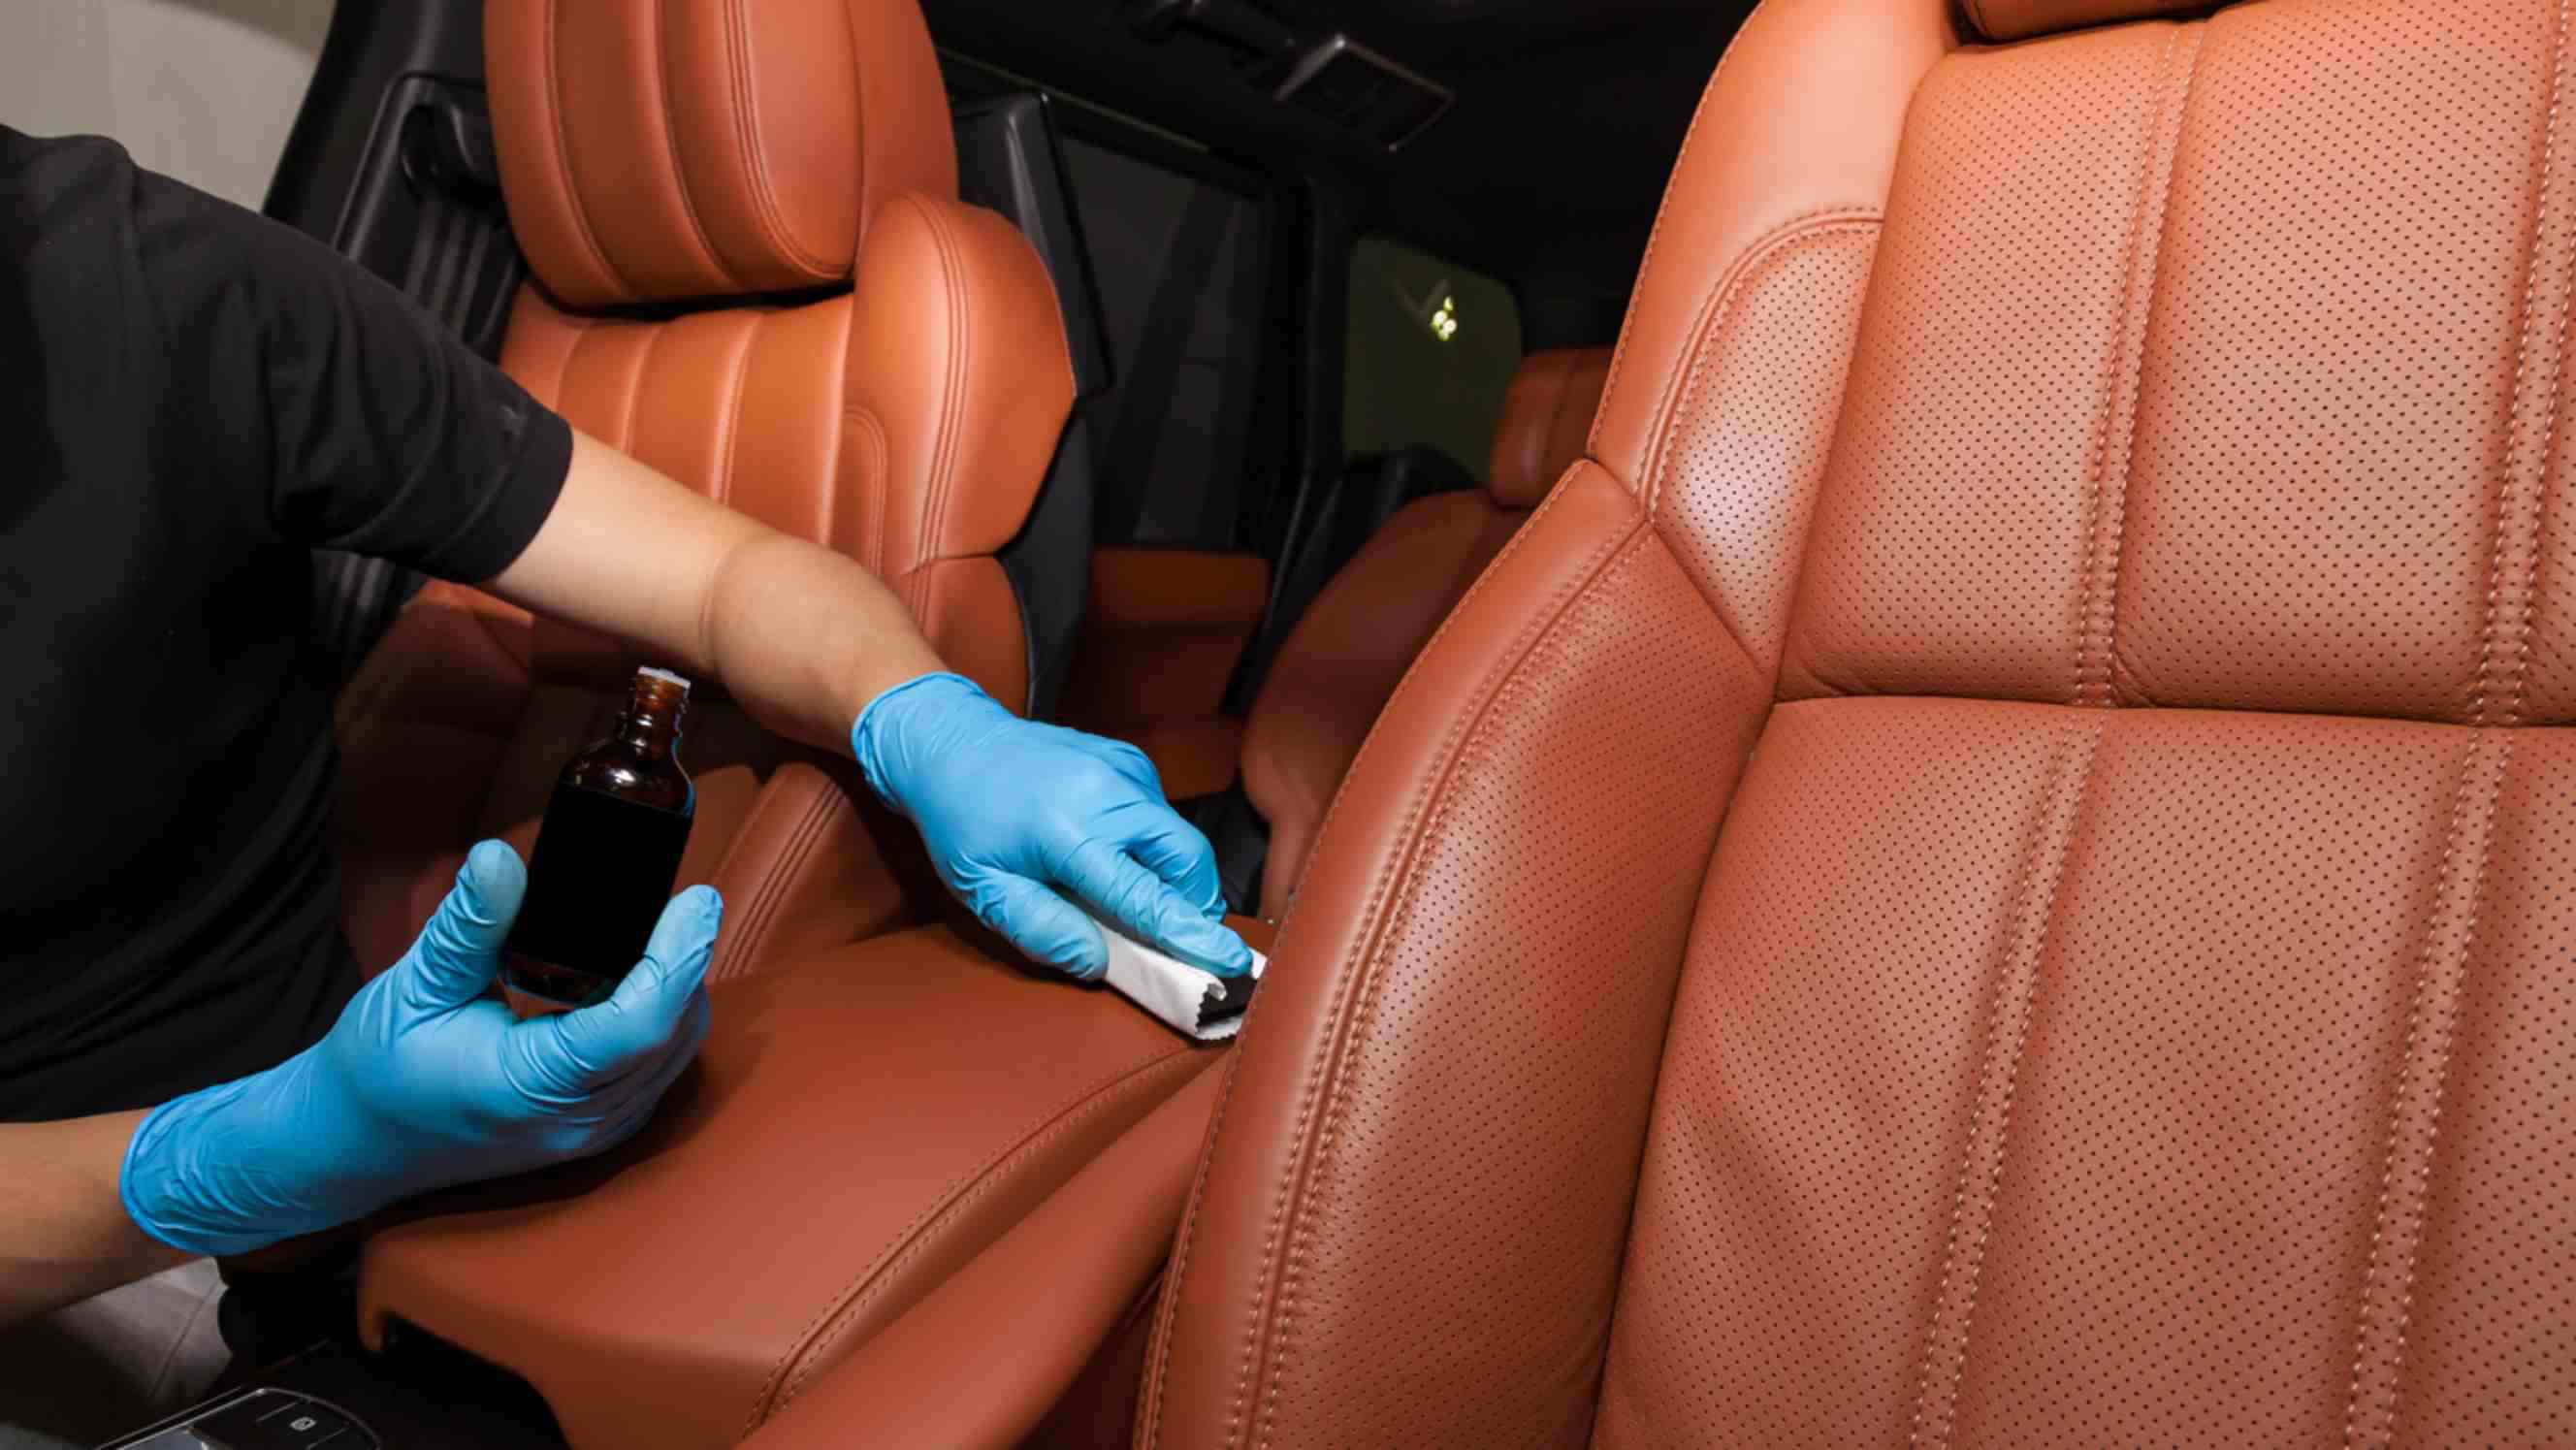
[(1999, 865), (752, 272), (1335, 670)]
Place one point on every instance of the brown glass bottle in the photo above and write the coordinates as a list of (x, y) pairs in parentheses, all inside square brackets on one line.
[(606, 855)]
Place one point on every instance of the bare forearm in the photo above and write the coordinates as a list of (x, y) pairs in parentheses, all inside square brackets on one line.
[(64, 1234), (803, 637), (806, 638)]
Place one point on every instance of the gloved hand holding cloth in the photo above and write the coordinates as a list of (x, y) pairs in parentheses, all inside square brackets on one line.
[(1014, 810)]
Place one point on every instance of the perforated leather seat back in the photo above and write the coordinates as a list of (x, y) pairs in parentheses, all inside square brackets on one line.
[(1995, 868)]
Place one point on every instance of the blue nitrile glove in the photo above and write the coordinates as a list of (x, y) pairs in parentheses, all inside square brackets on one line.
[(424, 1082), (1011, 808)]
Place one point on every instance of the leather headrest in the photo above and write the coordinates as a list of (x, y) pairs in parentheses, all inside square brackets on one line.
[(2022, 19), (662, 150), (1547, 416)]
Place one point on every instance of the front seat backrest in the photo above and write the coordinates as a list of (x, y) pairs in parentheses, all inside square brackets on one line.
[(749, 270), (1336, 669), (1994, 867)]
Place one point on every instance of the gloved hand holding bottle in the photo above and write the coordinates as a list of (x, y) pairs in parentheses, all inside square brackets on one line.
[(1012, 809), (425, 1081)]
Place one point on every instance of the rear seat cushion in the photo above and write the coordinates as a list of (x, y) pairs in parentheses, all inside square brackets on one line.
[(1344, 658), (1342, 662)]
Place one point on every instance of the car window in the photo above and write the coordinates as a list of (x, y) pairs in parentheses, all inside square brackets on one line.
[(1431, 347), (1179, 255)]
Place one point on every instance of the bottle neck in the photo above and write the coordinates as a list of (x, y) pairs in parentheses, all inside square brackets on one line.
[(651, 720)]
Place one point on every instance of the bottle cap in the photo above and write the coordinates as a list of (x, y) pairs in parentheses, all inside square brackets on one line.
[(680, 680)]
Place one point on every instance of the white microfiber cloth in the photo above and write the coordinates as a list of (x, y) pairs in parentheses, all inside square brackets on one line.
[(1191, 1000)]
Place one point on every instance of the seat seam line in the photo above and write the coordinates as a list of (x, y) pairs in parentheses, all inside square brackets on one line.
[(2098, 620), (2387, 1287), (1716, 309), (943, 462), (746, 113), (1748, 269), (671, 139), (788, 1373), (637, 379), (1389, 880), (2533, 368), (1604, 567), (872, 549), (1167, 1314), (1378, 889), (723, 491), (773, 885), (563, 154), (2007, 1039)]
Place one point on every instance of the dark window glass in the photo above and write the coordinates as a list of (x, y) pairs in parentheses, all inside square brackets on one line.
[(1179, 260), (1432, 347)]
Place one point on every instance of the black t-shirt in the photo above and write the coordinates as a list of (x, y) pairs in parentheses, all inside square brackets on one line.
[(191, 398)]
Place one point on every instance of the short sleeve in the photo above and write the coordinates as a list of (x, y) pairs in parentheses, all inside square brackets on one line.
[(383, 433)]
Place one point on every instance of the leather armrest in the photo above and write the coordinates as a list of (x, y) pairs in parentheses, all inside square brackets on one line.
[(861, 1122), (1045, 1296)]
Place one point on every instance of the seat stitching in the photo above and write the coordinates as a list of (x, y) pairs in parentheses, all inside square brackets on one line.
[(1720, 313), (2415, 1107), (943, 461), (1619, 352), (811, 1360), (1714, 309), (773, 884), (871, 551), (2116, 417), (795, 1362), (1487, 719), (1386, 877), (1150, 1421), (722, 491), (1990, 1113), (563, 155), (2534, 369), (654, 332), (746, 114), (679, 160), (1386, 880)]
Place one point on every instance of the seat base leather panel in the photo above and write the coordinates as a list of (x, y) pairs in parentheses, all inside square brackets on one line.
[(860, 1123)]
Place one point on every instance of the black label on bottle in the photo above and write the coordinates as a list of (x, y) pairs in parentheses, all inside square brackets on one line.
[(601, 874)]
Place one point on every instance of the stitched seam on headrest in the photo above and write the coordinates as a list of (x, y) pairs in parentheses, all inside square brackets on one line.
[(746, 113), (563, 159), (679, 159), (946, 445)]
